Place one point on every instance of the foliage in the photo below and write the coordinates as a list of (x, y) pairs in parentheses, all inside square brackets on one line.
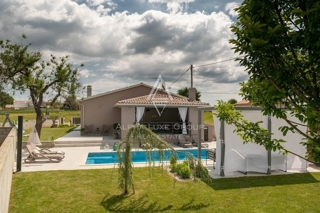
[(136, 136), (15, 59), (70, 103), (195, 167), (173, 163), (249, 131), (232, 101), (5, 99), (280, 48), (185, 92), (183, 170), (24, 70), (116, 126)]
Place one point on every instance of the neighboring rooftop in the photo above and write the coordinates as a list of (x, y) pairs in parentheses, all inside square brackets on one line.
[(243, 102)]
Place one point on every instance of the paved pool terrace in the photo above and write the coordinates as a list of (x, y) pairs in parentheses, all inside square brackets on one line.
[(75, 159)]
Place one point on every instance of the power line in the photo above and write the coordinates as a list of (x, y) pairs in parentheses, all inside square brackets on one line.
[(217, 62), (180, 76)]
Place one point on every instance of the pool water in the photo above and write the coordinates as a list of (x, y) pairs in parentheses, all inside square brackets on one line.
[(140, 156)]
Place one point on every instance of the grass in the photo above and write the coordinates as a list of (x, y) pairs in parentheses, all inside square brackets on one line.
[(208, 118), (29, 114), (48, 133), (96, 191)]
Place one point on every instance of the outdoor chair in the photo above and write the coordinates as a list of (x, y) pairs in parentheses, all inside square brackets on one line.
[(35, 154), (185, 141), (105, 129), (88, 129), (195, 142), (45, 151)]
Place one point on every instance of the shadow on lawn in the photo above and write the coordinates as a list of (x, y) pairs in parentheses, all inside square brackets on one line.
[(249, 182), (118, 203)]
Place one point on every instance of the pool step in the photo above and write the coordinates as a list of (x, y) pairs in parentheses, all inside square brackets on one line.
[(84, 143), (77, 144)]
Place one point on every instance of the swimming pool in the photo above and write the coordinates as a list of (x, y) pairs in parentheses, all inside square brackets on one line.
[(139, 156)]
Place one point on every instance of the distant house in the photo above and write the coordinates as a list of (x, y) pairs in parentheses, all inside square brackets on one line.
[(243, 103), (19, 104), (172, 114)]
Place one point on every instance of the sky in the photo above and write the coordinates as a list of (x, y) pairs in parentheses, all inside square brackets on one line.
[(125, 42)]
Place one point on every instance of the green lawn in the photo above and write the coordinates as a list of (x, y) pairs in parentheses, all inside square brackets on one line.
[(96, 191), (208, 118), (48, 133)]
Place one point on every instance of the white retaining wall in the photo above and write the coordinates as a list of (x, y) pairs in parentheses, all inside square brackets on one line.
[(7, 161)]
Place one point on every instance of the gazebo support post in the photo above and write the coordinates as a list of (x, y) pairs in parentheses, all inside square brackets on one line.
[(199, 134), (223, 148), (269, 151)]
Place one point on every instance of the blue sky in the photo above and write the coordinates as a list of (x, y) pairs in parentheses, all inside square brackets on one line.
[(125, 42)]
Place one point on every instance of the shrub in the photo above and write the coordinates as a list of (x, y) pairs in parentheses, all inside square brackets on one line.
[(184, 170), (173, 159), (173, 163), (173, 168), (63, 125), (200, 171)]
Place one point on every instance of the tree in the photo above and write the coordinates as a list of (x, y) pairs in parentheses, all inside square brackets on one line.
[(25, 71), (5, 99), (15, 59), (70, 103), (232, 101), (185, 92), (138, 135), (280, 49)]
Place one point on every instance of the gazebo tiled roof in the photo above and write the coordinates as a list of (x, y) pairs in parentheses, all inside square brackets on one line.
[(160, 99)]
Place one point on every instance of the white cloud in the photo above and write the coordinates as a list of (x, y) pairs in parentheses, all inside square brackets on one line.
[(230, 8), (125, 48), (85, 73), (173, 6)]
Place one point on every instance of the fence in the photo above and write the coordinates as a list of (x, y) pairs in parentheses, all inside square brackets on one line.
[(7, 160)]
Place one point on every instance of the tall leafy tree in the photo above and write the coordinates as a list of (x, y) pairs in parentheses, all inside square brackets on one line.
[(25, 71), (280, 48), (15, 59), (5, 99), (232, 101), (185, 92)]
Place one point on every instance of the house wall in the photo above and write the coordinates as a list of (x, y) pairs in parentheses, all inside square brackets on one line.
[(7, 160), (100, 110), (127, 119), (20, 104)]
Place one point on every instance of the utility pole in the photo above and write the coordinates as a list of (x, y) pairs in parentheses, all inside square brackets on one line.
[(191, 70)]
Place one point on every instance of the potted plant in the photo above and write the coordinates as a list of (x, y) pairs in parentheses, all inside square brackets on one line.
[(116, 127)]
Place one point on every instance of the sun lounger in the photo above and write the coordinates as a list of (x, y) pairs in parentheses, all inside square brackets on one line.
[(35, 154), (195, 141), (45, 151), (185, 141)]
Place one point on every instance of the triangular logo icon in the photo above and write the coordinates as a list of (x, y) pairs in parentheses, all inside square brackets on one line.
[(158, 86)]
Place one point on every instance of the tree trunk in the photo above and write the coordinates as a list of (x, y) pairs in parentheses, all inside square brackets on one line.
[(127, 163), (39, 121)]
